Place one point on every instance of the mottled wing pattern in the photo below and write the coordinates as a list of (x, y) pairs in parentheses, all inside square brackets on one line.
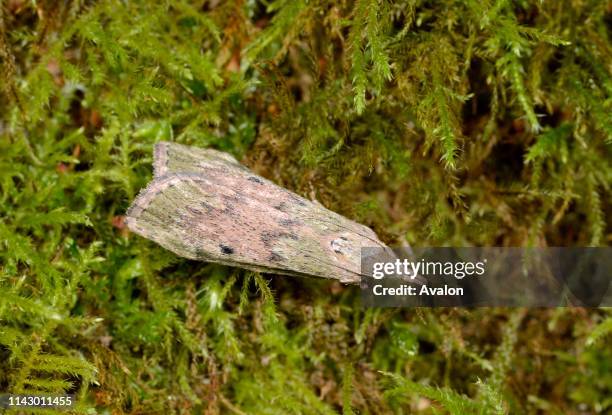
[(202, 204)]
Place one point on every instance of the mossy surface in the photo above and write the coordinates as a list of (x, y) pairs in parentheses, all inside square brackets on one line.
[(459, 123)]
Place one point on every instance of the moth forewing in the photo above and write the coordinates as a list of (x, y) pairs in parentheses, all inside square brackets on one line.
[(177, 158), (204, 205)]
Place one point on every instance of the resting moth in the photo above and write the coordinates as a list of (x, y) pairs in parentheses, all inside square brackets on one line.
[(204, 205)]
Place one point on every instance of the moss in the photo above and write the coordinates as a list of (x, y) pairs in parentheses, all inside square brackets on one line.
[(474, 122)]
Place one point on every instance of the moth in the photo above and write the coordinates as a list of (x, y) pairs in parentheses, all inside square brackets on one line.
[(204, 205)]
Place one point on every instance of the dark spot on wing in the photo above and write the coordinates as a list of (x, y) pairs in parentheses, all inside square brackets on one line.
[(255, 179), (269, 237), (295, 198), (194, 211), (281, 206), (207, 206), (227, 250), (234, 198), (228, 210), (230, 202), (336, 246), (274, 257), (266, 238), (289, 222), (298, 200)]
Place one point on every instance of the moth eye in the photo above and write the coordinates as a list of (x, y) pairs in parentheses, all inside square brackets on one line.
[(227, 250)]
